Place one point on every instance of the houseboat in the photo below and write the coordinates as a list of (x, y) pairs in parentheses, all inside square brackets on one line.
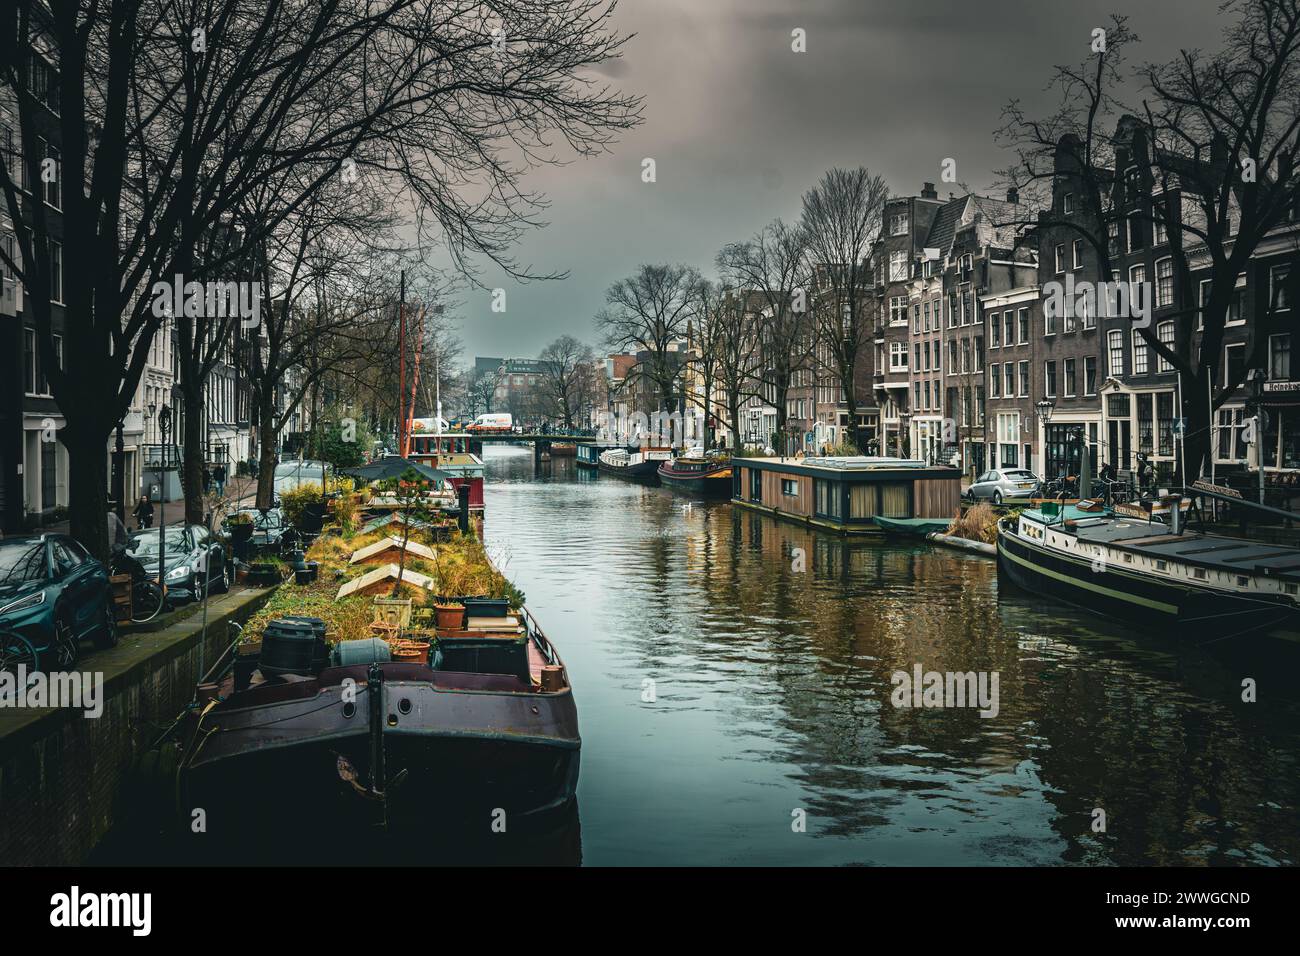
[(638, 464), (481, 721), (702, 477), (450, 453), (1134, 567), (588, 454), (845, 494)]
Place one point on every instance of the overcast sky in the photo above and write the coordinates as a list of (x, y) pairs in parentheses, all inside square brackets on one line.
[(739, 126)]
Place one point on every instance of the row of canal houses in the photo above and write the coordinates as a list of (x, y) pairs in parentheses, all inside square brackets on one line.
[(964, 353)]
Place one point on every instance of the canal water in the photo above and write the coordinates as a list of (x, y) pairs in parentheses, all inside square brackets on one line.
[(733, 680)]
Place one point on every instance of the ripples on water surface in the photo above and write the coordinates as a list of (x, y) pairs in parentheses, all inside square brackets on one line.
[(772, 693)]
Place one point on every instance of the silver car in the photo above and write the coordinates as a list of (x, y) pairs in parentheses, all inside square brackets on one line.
[(1003, 483)]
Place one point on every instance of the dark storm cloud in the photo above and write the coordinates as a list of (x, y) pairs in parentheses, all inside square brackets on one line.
[(739, 126)]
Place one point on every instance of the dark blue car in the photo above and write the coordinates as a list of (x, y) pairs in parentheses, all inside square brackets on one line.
[(53, 595)]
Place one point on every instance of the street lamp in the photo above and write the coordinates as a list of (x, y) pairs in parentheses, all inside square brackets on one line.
[(1044, 411), (1255, 379)]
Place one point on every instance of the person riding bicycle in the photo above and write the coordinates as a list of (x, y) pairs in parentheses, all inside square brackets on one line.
[(143, 513)]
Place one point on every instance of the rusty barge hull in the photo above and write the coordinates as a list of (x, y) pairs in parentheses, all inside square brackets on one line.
[(399, 748)]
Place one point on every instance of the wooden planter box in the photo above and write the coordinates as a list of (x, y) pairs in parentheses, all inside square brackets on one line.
[(393, 612)]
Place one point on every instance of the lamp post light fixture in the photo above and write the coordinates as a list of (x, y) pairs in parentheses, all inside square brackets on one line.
[(1044, 410)]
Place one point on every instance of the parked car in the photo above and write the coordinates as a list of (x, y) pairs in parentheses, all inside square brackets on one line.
[(1003, 483), (187, 548), (269, 528), (53, 595), (291, 475)]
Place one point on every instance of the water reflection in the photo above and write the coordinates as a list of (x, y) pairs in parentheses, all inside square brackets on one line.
[(770, 650)]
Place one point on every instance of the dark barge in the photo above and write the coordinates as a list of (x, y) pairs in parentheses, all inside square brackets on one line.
[(701, 477), (638, 464), (485, 725)]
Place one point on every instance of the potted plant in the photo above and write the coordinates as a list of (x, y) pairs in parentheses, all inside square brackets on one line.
[(450, 615)]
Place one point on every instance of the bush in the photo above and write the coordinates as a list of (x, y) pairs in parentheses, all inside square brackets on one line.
[(977, 523), (295, 501)]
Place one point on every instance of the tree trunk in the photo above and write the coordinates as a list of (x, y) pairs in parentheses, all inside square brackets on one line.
[(88, 488), (193, 452), (1197, 438), (266, 455)]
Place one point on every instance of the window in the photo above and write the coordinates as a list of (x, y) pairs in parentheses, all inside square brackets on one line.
[(898, 310), (1112, 238), (1165, 335), (1234, 363), (1115, 346), (1024, 379), (916, 317), (927, 317), (898, 224), (53, 196), (1140, 352), (1164, 283), (978, 365), (995, 380), (1009, 328), (1060, 258), (898, 356), (1161, 233), (1165, 421), (1231, 428), (1049, 379), (952, 356), (1090, 375), (1277, 279), (1009, 380), (1069, 378), (56, 272), (897, 266), (1024, 326), (1077, 253), (995, 332), (1279, 357), (10, 246), (1067, 204), (31, 361), (790, 487)]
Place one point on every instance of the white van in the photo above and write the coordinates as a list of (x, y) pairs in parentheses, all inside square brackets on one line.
[(294, 474), (493, 423)]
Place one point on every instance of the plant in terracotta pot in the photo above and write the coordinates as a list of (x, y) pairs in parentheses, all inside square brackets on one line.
[(450, 615)]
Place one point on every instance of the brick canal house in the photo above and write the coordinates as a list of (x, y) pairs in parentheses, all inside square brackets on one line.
[(907, 223), (1142, 391), (1068, 345)]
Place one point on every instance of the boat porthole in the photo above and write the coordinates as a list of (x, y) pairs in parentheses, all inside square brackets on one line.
[(404, 705), (349, 709), (392, 720)]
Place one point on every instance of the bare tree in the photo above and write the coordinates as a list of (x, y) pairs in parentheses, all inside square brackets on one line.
[(842, 216), (1208, 161), (774, 265), (647, 313), (193, 106), (564, 385)]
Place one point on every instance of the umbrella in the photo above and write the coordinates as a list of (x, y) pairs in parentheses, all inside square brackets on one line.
[(394, 466)]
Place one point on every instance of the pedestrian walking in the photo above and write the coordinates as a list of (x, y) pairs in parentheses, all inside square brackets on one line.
[(144, 513), (219, 476)]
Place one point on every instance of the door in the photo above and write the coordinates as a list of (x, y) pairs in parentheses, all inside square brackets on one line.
[(79, 586)]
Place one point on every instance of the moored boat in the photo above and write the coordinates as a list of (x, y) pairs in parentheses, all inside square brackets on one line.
[(640, 464), (481, 721), (702, 477), (1143, 571), (587, 454)]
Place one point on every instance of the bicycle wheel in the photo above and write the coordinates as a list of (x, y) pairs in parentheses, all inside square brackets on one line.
[(16, 650), (146, 601)]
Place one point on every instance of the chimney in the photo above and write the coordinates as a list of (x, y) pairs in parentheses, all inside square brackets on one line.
[(1013, 195), (927, 191)]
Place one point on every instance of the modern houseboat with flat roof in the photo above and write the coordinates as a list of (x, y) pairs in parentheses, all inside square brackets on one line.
[(588, 454), (1139, 569), (845, 494)]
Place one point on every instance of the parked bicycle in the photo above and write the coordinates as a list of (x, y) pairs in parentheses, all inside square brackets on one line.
[(147, 596)]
